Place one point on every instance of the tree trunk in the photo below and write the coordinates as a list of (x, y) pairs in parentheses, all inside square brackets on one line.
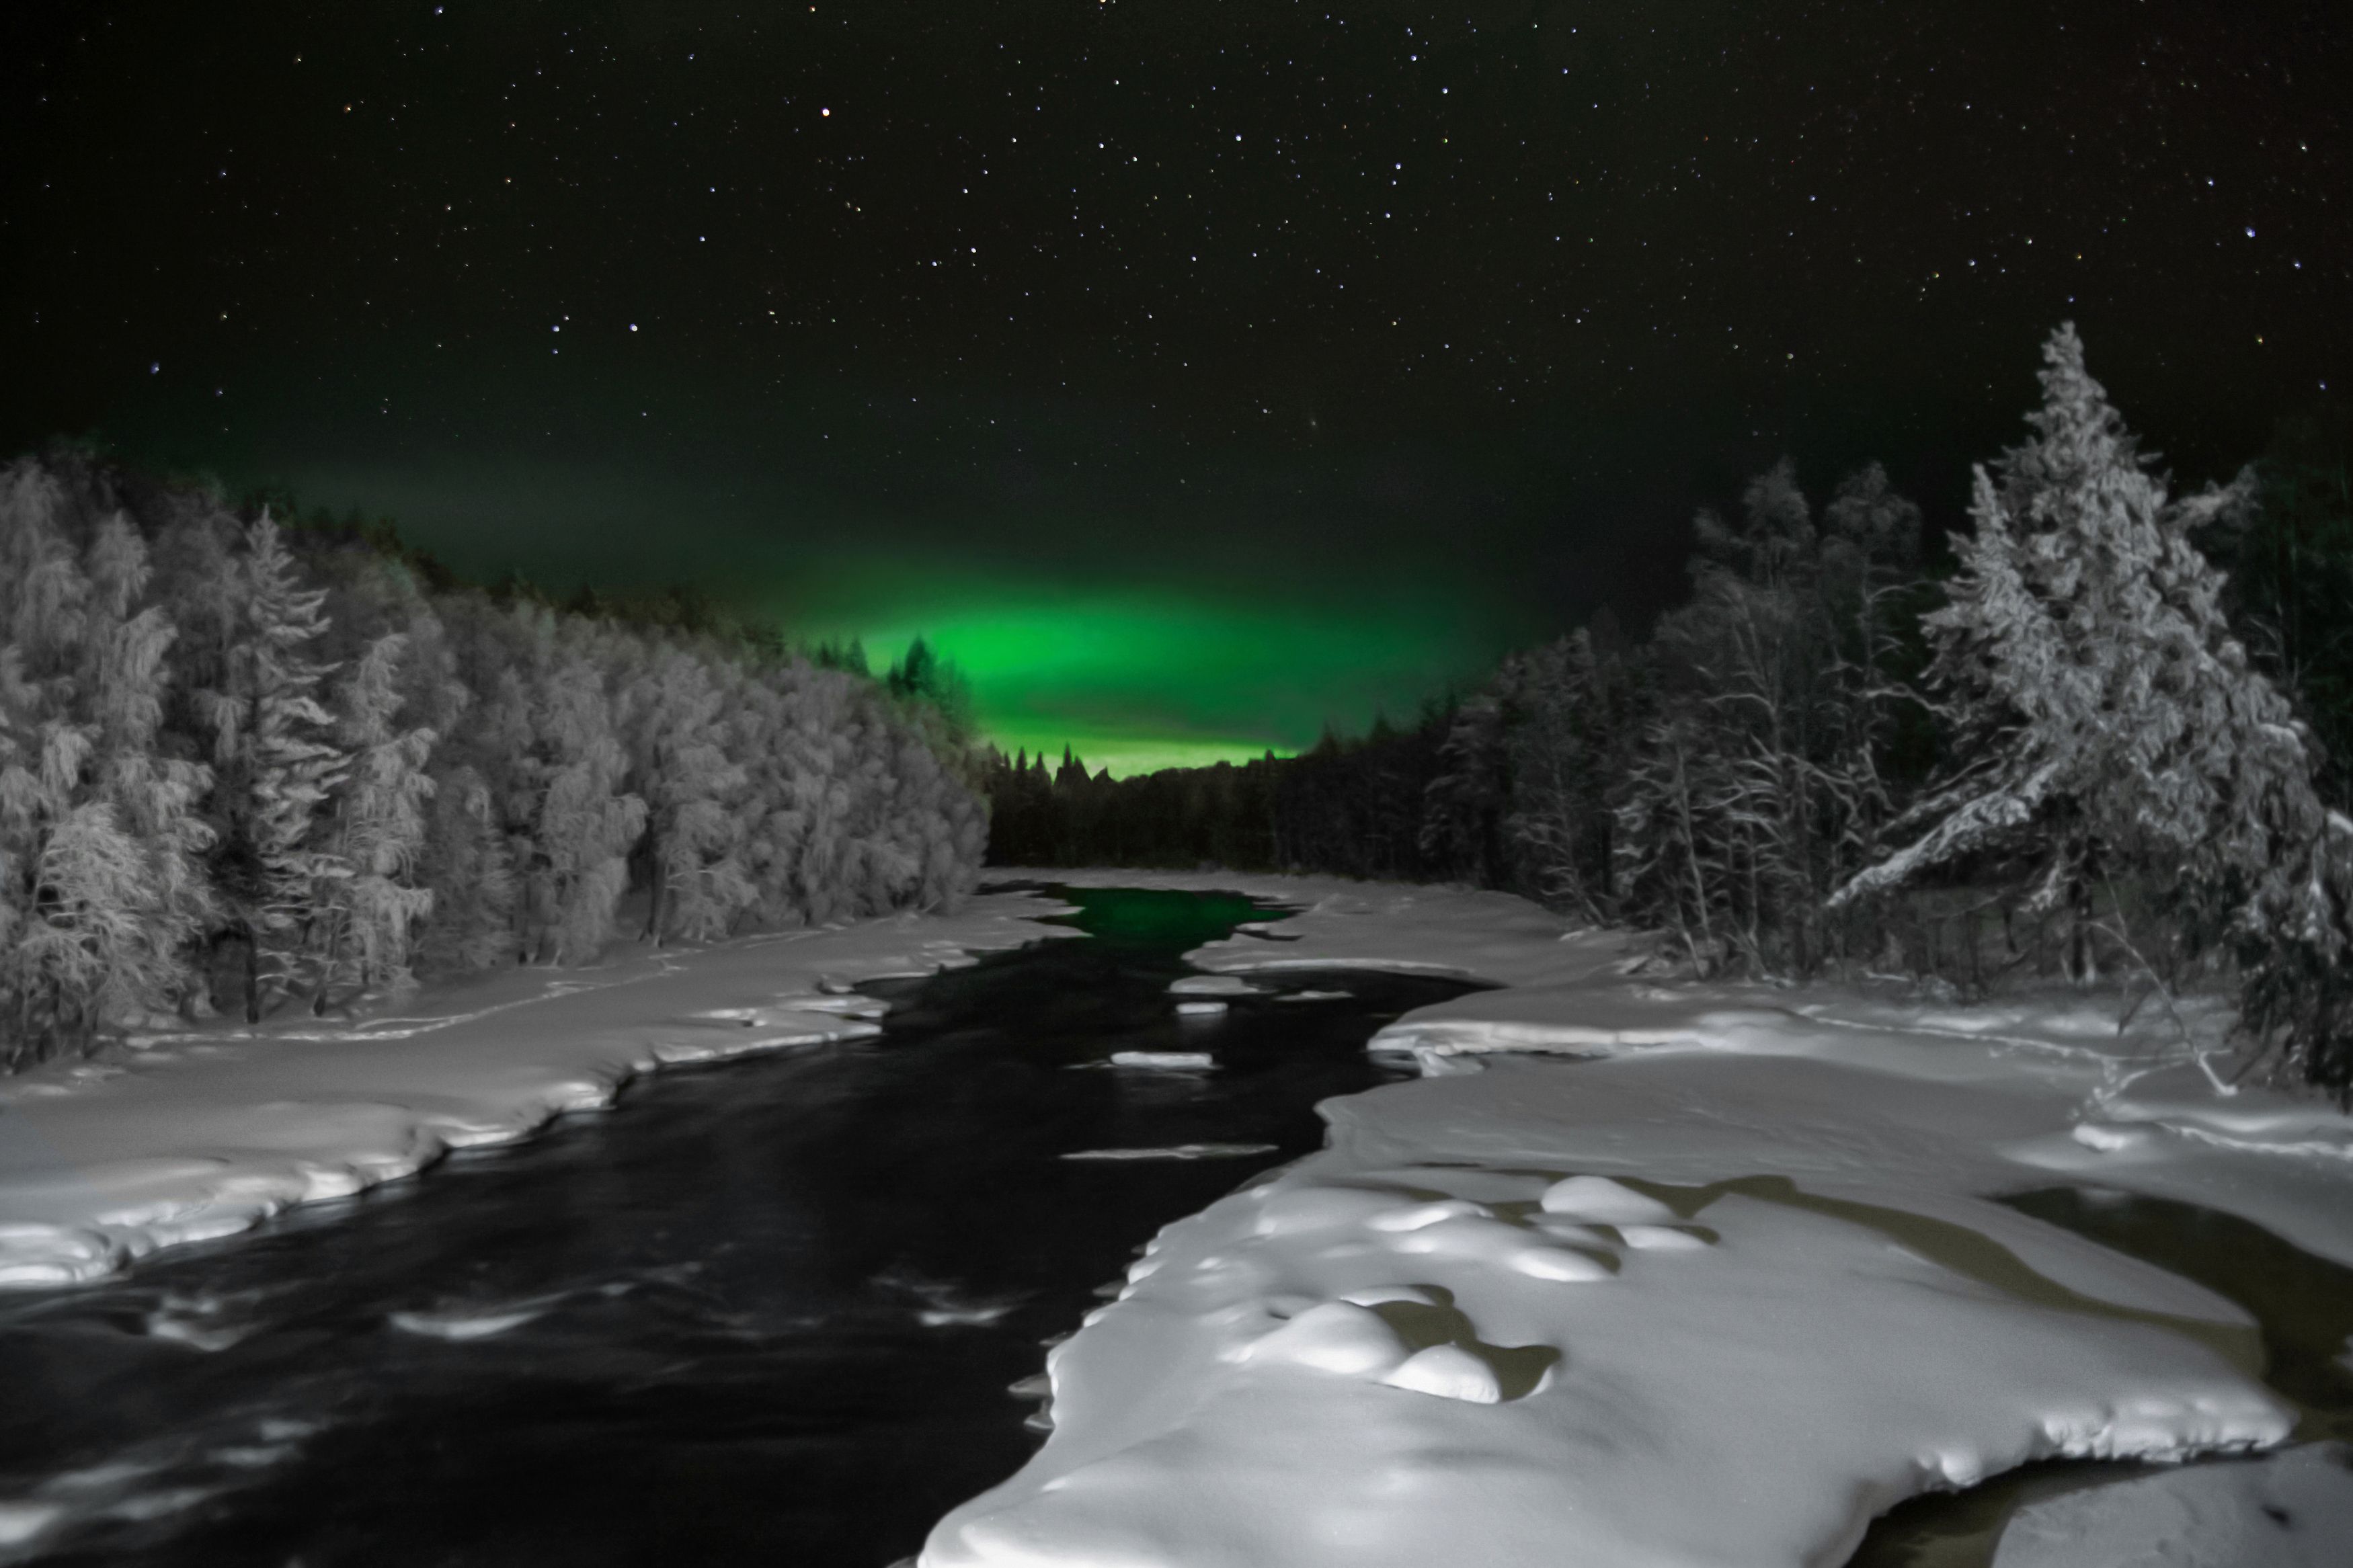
[(654, 904), (252, 974)]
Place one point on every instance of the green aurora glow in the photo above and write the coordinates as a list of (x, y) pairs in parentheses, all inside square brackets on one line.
[(1141, 642), (1137, 682)]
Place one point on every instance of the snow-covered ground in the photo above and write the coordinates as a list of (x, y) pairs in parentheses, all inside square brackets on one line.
[(197, 1135), (1716, 1291)]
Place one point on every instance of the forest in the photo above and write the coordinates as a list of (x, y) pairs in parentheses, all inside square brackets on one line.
[(2107, 737), (250, 764)]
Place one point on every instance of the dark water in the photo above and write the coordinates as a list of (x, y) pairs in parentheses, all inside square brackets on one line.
[(777, 1302), (2303, 1305)]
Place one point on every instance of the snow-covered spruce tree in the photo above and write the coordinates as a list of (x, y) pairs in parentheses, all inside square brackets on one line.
[(365, 915), (274, 761), (2109, 729)]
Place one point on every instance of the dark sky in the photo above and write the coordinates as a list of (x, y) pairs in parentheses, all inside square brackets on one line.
[(1194, 371)]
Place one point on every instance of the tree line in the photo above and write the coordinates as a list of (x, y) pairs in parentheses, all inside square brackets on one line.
[(247, 767), (2108, 738)]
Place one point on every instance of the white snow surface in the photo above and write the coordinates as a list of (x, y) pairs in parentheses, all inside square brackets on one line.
[(1213, 985), (1716, 1291), (1165, 1061), (2290, 1510), (203, 1134)]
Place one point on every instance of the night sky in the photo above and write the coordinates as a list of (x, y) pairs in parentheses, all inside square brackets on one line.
[(1193, 373)]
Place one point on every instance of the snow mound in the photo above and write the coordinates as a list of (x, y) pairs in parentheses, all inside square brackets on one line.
[(1336, 1337), (1605, 1202), (1448, 1372), (1561, 1264)]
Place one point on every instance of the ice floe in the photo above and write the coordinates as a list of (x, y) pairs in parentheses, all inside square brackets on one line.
[(473, 1322), (1165, 1061), (1214, 985), (1177, 1152), (20, 1521)]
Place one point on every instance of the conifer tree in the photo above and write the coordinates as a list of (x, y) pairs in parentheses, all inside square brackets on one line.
[(274, 761), (2109, 726)]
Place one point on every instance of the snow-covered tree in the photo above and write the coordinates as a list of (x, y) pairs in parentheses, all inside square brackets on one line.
[(2108, 726), (1756, 783), (179, 759), (680, 768), (274, 760), (366, 914), (566, 805), (466, 862), (100, 888)]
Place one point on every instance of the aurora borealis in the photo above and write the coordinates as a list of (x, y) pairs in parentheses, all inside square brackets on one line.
[(1248, 677), (1192, 375)]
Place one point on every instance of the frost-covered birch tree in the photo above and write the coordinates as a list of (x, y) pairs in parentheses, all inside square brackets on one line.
[(100, 884), (680, 767), (366, 914)]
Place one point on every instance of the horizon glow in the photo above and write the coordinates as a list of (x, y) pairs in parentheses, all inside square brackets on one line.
[(1135, 682)]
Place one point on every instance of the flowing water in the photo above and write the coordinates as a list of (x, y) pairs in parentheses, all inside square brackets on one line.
[(766, 1315)]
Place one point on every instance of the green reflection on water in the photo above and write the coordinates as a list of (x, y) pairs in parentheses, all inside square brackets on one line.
[(1148, 918)]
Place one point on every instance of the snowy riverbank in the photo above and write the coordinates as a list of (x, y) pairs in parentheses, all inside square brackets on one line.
[(195, 1135), (1718, 1291)]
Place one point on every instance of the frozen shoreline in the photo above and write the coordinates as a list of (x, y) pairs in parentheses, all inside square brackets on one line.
[(1798, 1307), (198, 1134)]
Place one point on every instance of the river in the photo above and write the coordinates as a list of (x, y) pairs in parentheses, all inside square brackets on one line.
[(767, 1312)]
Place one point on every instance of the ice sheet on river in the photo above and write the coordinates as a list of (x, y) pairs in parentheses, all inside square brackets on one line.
[(200, 1135), (1715, 1292)]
